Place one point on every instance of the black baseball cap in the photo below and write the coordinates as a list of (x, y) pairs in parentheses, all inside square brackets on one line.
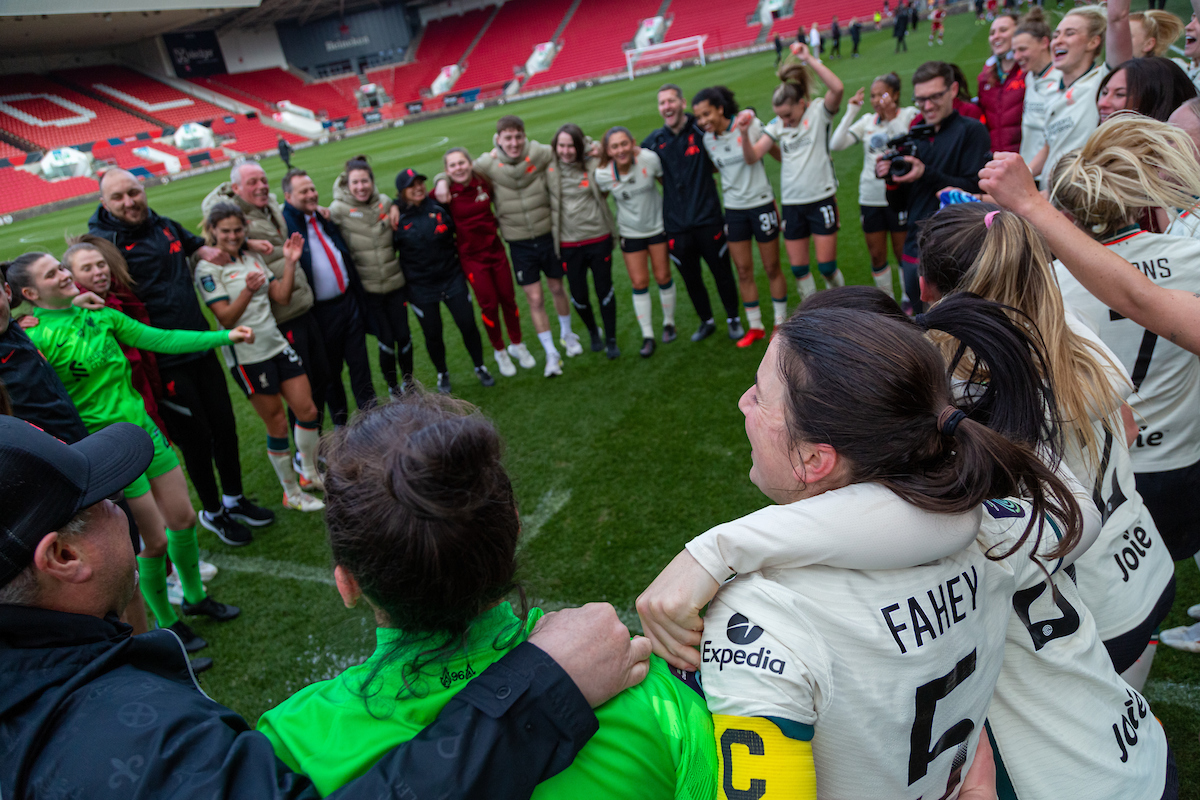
[(45, 482), (407, 178)]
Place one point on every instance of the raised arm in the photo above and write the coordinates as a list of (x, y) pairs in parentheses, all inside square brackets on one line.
[(756, 149), (281, 290), (833, 84), (1171, 313), (1118, 45), (842, 136)]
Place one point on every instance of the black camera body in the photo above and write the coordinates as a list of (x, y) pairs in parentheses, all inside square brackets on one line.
[(905, 145)]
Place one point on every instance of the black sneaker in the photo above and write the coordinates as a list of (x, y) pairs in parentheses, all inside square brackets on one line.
[(201, 664), (706, 329), (191, 640), (736, 331), (227, 530), (613, 351), (647, 348), (669, 333), (247, 513), (597, 341), (211, 608), (484, 376), (443, 382)]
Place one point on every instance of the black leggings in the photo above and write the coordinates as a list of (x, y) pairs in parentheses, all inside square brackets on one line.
[(686, 249), (200, 420), (427, 300), (306, 339), (389, 312), (597, 257), (1174, 503)]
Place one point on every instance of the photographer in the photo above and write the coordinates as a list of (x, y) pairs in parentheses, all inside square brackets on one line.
[(947, 150)]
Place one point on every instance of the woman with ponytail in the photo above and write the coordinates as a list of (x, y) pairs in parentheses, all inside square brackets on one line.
[(1031, 47), (977, 248), (1153, 32), (798, 137), (424, 529), (878, 472), (880, 221)]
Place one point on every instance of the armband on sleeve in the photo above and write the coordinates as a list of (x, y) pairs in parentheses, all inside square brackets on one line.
[(767, 758)]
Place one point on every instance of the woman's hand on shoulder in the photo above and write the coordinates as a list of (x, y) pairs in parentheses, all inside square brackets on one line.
[(670, 610), (89, 300)]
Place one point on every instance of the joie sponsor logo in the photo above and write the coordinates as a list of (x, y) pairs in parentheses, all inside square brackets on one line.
[(741, 631)]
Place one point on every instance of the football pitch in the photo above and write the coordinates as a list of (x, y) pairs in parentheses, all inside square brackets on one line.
[(615, 464)]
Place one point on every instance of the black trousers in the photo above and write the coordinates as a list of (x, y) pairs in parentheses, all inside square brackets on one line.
[(1173, 498), (345, 336), (306, 339), (1159, 4), (426, 302), (389, 314), (707, 242), (200, 420), (595, 258)]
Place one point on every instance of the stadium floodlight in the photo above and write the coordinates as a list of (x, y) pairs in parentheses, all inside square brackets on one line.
[(665, 51)]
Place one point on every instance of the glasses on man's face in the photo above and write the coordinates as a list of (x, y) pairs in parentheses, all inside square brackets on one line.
[(933, 98)]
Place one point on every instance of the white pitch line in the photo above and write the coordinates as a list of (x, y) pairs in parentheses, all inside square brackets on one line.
[(551, 503), (1173, 693), (265, 566)]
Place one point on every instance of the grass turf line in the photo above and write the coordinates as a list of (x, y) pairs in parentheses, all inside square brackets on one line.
[(647, 452)]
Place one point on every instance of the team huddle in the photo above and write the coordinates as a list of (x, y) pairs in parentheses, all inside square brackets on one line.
[(977, 493)]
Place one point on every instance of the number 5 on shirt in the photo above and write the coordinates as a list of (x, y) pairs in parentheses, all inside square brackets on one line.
[(765, 758)]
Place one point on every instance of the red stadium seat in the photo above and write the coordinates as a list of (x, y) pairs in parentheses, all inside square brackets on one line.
[(510, 40), (265, 88), (443, 44), (124, 87), (51, 115), (723, 23), (19, 189), (594, 38), (250, 135)]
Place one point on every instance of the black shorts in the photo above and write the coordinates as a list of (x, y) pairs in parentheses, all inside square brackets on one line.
[(629, 245), (266, 377), (531, 258), (882, 218), (811, 219), (761, 224), (1174, 503)]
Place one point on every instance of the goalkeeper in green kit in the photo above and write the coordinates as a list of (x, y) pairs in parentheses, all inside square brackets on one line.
[(83, 346), (423, 526)]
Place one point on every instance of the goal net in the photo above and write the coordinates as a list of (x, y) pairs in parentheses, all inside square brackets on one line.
[(676, 50)]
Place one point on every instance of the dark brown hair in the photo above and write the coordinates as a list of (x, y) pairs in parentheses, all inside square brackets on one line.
[(359, 162), (510, 122), (1034, 24), (16, 273), (934, 69), (222, 211), (420, 510), (117, 265), (1154, 86), (605, 158), (671, 87), (873, 387), (288, 176), (576, 134), (718, 97)]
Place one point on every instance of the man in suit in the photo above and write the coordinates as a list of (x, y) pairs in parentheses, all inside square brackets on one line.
[(327, 264)]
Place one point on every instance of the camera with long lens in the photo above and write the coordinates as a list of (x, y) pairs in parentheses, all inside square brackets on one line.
[(905, 145)]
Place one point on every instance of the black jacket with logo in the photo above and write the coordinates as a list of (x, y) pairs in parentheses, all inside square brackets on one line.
[(157, 252), (425, 240), (690, 198), (296, 223), (89, 711)]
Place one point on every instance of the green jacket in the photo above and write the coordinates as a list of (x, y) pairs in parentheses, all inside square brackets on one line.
[(267, 223), (368, 233), (655, 740)]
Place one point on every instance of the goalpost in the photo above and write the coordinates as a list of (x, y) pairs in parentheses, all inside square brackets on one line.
[(665, 51)]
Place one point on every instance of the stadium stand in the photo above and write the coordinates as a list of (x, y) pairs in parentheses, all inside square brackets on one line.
[(249, 135), (724, 23), (594, 38), (8, 151), (265, 88), (124, 87), (52, 115), (509, 41), (443, 43), (19, 189)]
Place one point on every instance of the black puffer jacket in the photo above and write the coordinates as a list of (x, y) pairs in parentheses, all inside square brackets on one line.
[(425, 240), (88, 711)]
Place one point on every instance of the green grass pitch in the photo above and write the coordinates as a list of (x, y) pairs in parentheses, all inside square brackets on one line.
[(616, 465)]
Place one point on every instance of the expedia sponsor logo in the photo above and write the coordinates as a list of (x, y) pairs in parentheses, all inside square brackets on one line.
[(449, 677), (741, 631)]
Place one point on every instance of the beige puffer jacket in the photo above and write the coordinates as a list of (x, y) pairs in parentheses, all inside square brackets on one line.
[(368, 233), (581, 212), (267, 223), (519, 189)]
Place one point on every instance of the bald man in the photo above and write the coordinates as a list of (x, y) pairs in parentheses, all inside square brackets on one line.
[(196, 403)]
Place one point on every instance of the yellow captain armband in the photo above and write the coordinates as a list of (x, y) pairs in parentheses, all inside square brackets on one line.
[(764, 758)]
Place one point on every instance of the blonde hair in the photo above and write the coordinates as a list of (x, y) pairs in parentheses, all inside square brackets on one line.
[(1161, 26), (1006, 260), (1129, 163), (117, 265), (1097, 21), (796, 83)]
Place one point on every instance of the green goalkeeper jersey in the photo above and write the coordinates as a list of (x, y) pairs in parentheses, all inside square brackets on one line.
[(83, 346), (655, 740)]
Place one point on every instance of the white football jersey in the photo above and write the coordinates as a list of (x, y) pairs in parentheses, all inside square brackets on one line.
[(1124, 573), (1166, 378), (874, 133), (743, 185), (806, 175), (889, 673), (639, 204), (1039, 89), (1192, 70), (1186, 224), (1071, 115)]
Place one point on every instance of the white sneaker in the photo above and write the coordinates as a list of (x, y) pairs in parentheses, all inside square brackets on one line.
[(301, 501), (553, 364), (1194, 611), (571, 343), (174, 590), (207, 571), (507, 369), (1182, 638), (522, 354), (310, 481)]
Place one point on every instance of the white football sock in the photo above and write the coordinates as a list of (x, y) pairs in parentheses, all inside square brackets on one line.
[(780, 308), (642, 307), (806, 286), (883, 280), (666, 296), (564, 325), (307, 440), (754, 317), (547, 340), (282, 464)]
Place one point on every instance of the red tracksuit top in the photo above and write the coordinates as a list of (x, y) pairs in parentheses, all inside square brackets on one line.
[(479, 244)]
